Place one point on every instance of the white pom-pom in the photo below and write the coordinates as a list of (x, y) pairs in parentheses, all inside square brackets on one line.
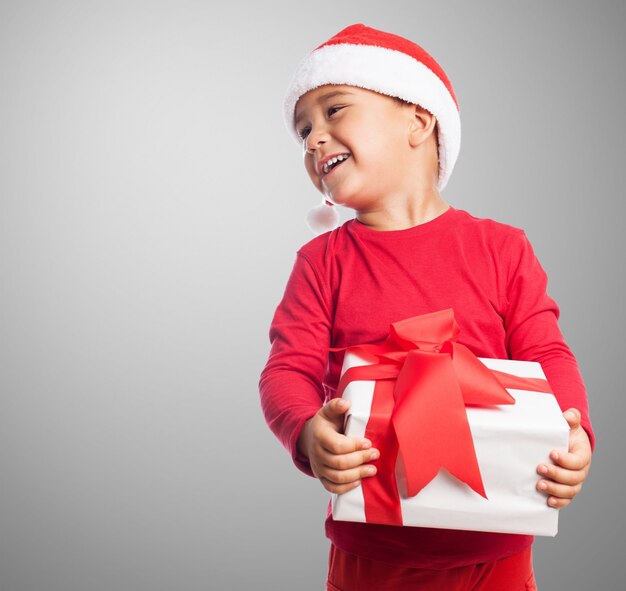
[(322, 218)]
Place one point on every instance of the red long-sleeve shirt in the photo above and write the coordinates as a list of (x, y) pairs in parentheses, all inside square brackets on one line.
[(349, 285)]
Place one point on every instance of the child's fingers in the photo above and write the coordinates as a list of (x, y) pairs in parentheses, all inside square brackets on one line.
[(338, 488), (570, 461), (561, 475), (562, 496), (348, 461), (558, 503), (560, 491), (338, 444), (340, 481), (333, 413), (341, 472), (343, 477)]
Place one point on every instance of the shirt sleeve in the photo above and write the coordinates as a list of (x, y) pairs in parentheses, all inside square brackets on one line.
[(533, 333), (291, 384)]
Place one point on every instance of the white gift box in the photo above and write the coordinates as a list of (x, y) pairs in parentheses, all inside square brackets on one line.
[(510, 442)]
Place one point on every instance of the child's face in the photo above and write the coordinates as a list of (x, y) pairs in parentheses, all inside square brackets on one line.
[(355, 142)]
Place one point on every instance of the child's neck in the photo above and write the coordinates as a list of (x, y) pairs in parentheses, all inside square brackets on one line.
[(402, 213)]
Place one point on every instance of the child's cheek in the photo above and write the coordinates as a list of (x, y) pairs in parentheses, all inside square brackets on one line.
[(310, 169)]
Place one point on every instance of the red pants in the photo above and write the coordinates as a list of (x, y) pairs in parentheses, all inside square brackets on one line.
[(347, 572)]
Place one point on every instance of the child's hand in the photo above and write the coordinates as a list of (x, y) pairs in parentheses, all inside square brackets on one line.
[(337, 460), (563, 480)]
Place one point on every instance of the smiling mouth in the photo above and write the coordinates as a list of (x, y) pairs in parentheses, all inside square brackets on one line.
[(334, 162)]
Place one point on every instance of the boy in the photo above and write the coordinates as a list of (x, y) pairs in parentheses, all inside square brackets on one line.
[(380, 129)]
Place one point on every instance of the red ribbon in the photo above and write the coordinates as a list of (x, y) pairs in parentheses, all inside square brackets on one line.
[(424, 381)]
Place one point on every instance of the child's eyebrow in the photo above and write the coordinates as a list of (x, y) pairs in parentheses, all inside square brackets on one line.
[(325, 97), (333, 94)]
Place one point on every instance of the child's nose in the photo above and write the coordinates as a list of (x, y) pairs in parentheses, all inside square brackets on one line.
[(316, 138)]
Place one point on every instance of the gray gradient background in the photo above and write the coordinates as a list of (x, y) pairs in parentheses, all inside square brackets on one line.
[(151, 204)]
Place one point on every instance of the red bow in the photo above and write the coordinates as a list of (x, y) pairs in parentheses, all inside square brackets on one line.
[(424, 380)]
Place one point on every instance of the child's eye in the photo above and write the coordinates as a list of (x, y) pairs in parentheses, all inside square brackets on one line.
[(304, 132), (333, 110)]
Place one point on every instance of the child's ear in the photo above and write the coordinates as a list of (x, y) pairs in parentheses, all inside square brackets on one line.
[(421, 126)]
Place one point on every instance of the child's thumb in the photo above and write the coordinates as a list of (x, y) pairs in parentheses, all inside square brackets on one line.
[(572, 416), (335, 408)]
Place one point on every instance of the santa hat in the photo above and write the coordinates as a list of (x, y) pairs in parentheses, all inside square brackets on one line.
[(388, 64)]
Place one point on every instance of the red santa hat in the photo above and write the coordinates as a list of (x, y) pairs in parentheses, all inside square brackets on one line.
[(388, 64)]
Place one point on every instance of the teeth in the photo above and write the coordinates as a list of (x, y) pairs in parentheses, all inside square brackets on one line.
[(328, 165)]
